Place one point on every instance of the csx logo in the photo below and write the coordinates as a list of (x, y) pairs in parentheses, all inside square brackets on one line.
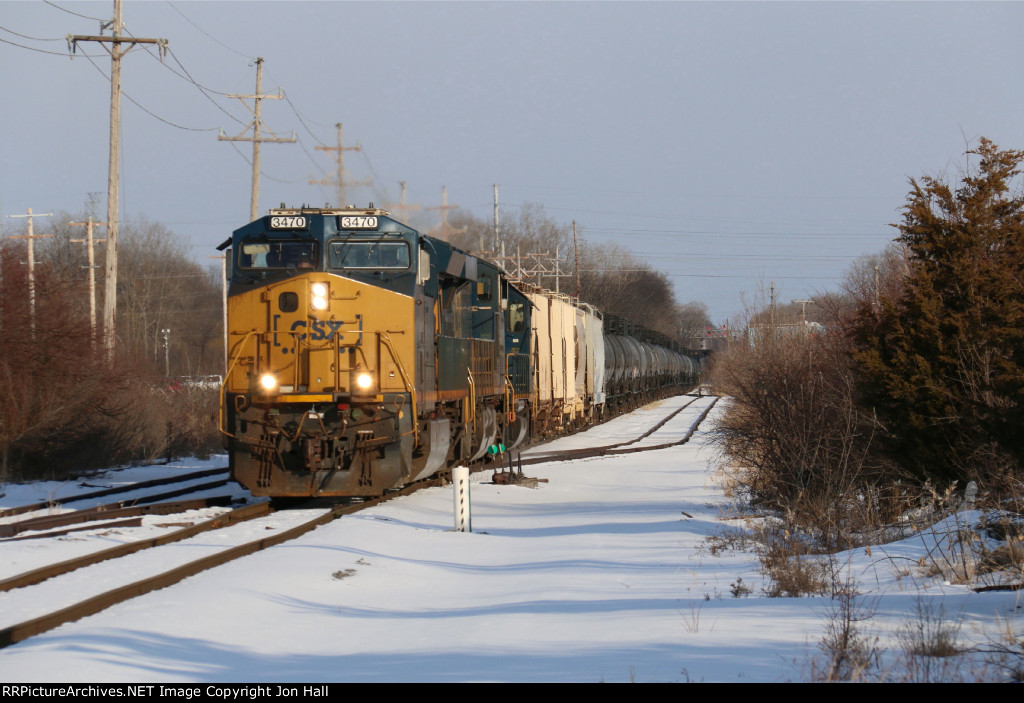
[(318, 331)]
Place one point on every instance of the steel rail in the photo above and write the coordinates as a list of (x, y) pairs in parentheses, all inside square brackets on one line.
[(16, 633), (106, 512), (35, 576), (7, 512), (620, 448), (646, 434)]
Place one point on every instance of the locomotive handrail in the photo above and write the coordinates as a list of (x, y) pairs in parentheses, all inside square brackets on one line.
[(470, 413), (384, 337), (523, 376), (224, 383), (336, 339), (510, 394)]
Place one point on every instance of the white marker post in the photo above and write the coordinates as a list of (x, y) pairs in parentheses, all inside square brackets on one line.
[(460, 494)]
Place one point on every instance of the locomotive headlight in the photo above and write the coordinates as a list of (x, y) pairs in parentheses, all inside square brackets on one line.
[(268, 382), (364, 381), (318, 299)]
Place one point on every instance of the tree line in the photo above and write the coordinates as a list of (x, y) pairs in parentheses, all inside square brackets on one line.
[(915, 380), (610, 277), (62, 406)]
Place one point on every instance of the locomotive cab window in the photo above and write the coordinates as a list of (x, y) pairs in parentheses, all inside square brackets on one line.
[(277, 255), (483, 289), (515, 318), (372, 255)]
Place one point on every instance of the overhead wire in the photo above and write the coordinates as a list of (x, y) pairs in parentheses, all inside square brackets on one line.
[(312, 160), (301, 120), (208, 35), (262, 172), (151, 113), (202, 89), (702, 196), (64, 9), (369, 165), (306, 122), (676, 234), (25, 36), (44, 51), (187, 77)]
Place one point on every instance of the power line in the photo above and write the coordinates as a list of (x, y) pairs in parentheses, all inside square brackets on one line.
[(152, 114), (301, 120), (189, 79), (188, 76), (64, 9), (25, 36), (202, 89), (730, 233), (702, 196), (312, 160), (262, 172), (366, 157), (208, 35), (42, 51)]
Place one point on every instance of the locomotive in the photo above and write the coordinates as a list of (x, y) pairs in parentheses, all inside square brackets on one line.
[(364, 355)]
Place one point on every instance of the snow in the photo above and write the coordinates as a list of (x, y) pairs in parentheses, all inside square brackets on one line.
[(597, 575)]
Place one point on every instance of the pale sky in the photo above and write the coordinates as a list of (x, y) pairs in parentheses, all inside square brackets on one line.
[(728, 144)]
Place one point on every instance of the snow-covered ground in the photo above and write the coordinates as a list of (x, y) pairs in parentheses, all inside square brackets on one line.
[(602, 574)]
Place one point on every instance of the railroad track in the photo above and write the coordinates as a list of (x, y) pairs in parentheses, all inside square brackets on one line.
[(124, 513), (291, 524), (43, 573), (295, 523), (128, 488), (674, 429)]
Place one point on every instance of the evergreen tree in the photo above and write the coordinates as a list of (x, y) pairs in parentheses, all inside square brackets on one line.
[(942, 364)]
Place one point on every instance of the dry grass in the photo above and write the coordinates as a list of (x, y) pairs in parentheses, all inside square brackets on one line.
[(850, 654)]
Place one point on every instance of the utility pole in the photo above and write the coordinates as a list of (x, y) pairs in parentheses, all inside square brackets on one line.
[(558, 271), (803, 310), (445, 230), (339, 180), (576, 256), (31, 237), (875, 304), (115, 41), (257, 137), (167, 355), (224, 302), (497, 232), (403, 207), (89, 242)]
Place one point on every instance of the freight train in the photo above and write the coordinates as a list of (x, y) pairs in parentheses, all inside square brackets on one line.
[(364, 355)]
